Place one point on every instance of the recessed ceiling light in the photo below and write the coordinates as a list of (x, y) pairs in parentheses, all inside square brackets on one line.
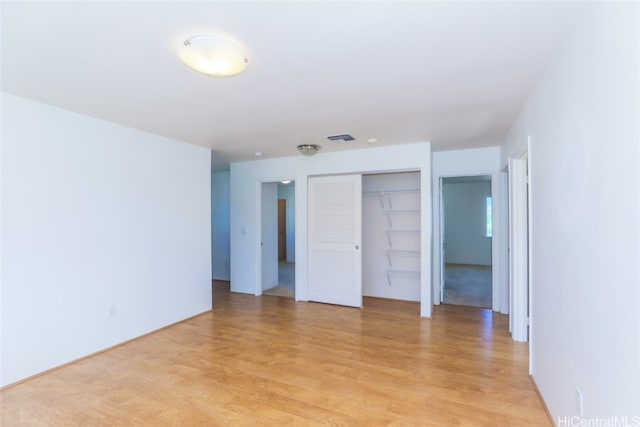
[(372, 140), (258, 153), (212, 55)]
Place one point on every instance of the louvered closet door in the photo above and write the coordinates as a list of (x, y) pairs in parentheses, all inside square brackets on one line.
[(335, 230)]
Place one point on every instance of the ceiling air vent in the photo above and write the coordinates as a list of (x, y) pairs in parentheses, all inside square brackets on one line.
[(343, 137)]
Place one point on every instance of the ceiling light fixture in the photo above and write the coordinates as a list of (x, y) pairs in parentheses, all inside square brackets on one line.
[(213, 56), (285, 182), (308, 149)]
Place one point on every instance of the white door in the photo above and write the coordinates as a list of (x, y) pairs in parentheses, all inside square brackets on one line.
[(518, 250), (443, 242), (269, 236), (335, 230)]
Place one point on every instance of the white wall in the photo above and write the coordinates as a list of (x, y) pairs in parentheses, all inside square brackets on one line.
[(465, 212), (105, 235), (478, 161), (375, 240), (220, 224), (584, 123), (288, 192), (245, 186)]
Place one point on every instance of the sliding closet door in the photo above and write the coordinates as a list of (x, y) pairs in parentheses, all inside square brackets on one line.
[(335, 230)]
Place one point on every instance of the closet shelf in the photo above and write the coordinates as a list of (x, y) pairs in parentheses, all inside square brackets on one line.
[(395, 207), (391, 231), (389, 212), (401, 211), (391, 272), (401, 272), (385, 192), (400, 252)]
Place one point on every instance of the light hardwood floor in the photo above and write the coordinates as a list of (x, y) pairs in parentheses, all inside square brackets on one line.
[(269, 361)]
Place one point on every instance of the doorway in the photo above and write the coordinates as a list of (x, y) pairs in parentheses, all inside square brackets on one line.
[(278, 225), (391, 238), (466, 233)]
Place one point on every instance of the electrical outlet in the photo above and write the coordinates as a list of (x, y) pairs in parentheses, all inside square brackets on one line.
[(579, 406)]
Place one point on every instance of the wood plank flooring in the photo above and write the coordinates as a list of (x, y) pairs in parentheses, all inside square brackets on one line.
[(269, 361)]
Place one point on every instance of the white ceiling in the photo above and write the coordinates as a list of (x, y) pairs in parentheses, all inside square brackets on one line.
[(453, 73)]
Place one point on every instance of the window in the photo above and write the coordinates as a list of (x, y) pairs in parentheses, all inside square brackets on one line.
[(489, 231)]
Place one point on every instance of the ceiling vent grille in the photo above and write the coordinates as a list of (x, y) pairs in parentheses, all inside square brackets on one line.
[(343, 137)]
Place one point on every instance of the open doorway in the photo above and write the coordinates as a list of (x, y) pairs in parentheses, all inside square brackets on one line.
[(467, 233), (391, 238), (278, 216)]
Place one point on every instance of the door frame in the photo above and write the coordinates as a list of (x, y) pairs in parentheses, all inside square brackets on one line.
[(258, 226), (495, 271), (426, 234), (268, 235), (520, 245), (499, 283)]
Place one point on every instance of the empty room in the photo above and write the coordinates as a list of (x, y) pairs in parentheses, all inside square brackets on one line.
[(343, 213)]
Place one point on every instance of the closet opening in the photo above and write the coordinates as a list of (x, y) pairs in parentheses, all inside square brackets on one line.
[(391, 230)]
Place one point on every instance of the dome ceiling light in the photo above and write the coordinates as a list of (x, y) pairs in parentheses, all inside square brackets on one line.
[(213, 55), (308, 149)]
